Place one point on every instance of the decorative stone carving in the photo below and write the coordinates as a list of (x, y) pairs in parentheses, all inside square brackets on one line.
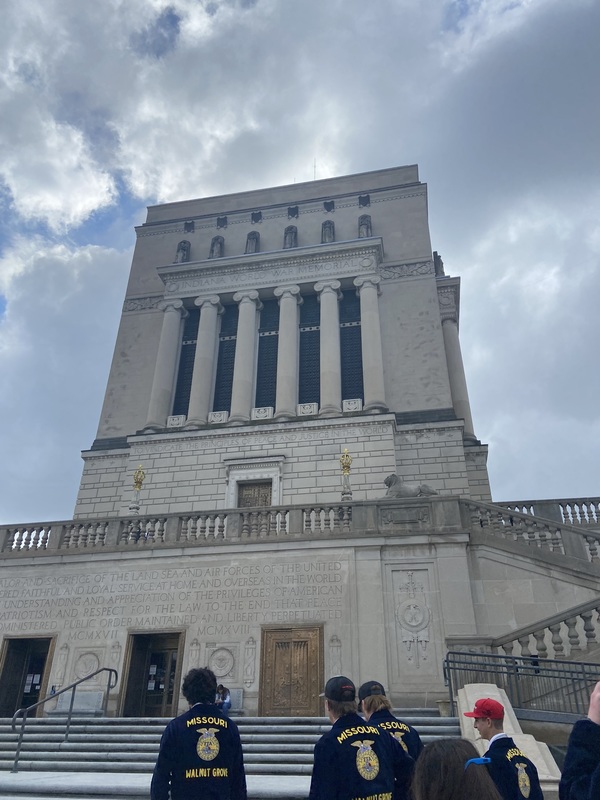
[(86, 664), (141, 304), (183, 252), (407, 270), (252, 242), (307, 409), (115, 655), (221, 222), (194, 654), (293, 212), (256, 217), (290, 237), (327, 232), (335, 655), (176, 421), (397, 488), (413, 515), (265, 412), (249, 662), (352, 405), (217, 247), (438, 265), (364, 200), (221, 662), (63, 655), (216, 417), (189, 227), (448, 301), (413, 617), (364, 226), (329, 205)]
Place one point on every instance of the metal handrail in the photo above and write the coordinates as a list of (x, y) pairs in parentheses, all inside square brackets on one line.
[(530, 682), (23, 712)]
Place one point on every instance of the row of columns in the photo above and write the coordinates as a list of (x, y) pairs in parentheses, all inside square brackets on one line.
[(249, 306)]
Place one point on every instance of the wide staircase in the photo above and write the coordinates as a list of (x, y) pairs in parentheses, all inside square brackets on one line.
[(107, 747)]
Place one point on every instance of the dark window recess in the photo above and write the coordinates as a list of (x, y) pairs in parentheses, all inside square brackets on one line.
[(352, 373), (188, 227), (349, 307), (221, 222), (309, 382), (266, 370), (226, 358), (310, 311), (364, 200), (329, 205), (293, 212), (186, 363), (256, 216)]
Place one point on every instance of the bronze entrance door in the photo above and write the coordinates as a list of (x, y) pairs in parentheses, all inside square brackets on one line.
[(153, 676), (291, 672), (24, 676)]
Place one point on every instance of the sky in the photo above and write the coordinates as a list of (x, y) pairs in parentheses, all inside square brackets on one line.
[(107, 107)]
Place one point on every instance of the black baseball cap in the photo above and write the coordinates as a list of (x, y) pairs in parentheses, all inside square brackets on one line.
[(369, 688), (340, 689)]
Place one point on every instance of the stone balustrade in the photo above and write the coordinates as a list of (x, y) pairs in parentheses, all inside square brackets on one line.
[(383, 517), (506, 522), (584, 511)]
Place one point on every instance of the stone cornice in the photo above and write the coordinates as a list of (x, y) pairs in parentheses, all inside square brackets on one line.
[(300, 265)]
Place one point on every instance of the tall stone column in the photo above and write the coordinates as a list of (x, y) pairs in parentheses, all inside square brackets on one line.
[(370, 340), (166, 365), (245, 349), (287, 351), (204, 361), (448, 302), (330, 362)]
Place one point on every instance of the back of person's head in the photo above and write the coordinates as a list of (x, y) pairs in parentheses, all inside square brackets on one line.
[(375, 702), (199, 686), (442, 772)]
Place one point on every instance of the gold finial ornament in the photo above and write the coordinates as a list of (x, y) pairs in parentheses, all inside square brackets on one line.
[(138, 478), (346, 462)]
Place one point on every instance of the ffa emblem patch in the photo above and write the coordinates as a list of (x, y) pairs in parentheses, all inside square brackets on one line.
[(398, 737), (367, 762), (208, 744), (524, 782)]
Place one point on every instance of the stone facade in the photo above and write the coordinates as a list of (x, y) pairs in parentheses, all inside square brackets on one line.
[(245, 365)]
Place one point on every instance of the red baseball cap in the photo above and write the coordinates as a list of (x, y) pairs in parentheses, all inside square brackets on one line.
[(486, 708)]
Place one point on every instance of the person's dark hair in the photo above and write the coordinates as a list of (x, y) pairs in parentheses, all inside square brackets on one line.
[(440, 773), (340, 708), (199, 686)]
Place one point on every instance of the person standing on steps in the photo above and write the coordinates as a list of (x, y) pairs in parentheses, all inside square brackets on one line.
[(515, 776), (377, 710), (581, 771), (356, 760), (200, 756)]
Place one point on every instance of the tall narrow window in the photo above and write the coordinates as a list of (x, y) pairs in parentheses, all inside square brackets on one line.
[(351, 348), (186, 362), (227, 340), (266, 371), (309, 378)]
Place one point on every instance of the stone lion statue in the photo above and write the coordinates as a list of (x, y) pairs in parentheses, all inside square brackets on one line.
[(397, 488)]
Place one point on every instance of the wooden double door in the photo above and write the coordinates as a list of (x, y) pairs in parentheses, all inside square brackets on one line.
[(291, 672)]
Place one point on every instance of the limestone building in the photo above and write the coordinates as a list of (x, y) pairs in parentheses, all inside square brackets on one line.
[(265, 336)]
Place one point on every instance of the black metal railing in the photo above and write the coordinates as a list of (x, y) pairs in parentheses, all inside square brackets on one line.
[(23, 712), (531, 683)]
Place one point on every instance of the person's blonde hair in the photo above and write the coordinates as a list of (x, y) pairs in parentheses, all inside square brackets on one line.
[(340, 708), (375, 702)]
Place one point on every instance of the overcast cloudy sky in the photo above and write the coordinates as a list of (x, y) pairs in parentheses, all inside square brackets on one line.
[(109, 106)]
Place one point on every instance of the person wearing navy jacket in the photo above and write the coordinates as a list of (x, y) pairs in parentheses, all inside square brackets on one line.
[(378, 710), (581, 771), (356, 760), (515, 776), (200, 752)]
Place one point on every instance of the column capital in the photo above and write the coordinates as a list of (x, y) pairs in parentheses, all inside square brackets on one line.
[(248, 296), (209, 300), (172, 305), (288, 291), (367, 281), (448, 301), (323, 287)]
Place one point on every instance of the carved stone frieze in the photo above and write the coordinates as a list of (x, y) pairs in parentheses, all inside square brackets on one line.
[(222, 660), (405, 515), (141, 304), (449, 301), (407, 270)]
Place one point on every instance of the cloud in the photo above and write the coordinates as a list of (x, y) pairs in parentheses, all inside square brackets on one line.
[(106, 107)]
